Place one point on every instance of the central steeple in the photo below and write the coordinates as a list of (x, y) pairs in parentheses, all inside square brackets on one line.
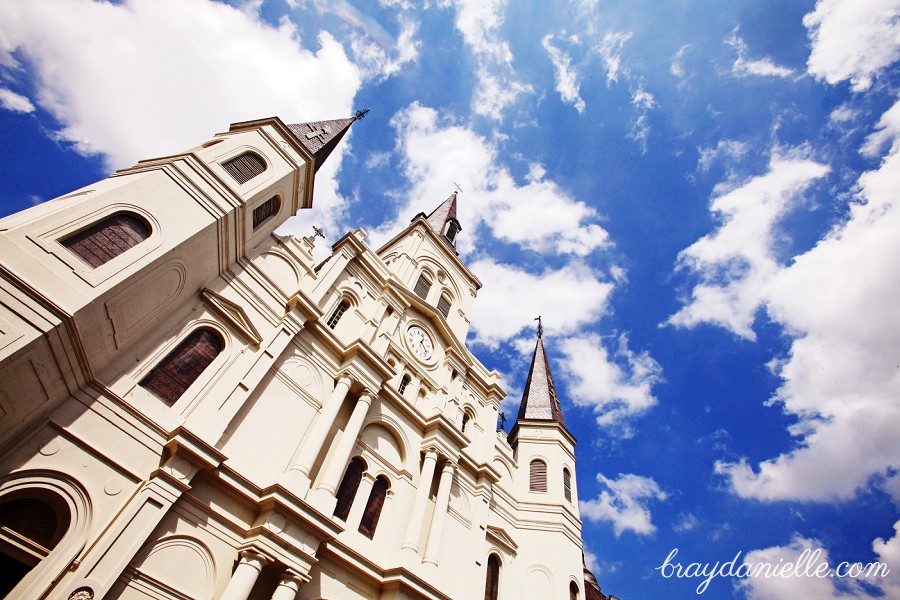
[(321, 137), (539, 400), (444, 222)]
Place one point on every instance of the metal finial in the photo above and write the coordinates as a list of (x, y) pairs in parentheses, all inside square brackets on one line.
[(459, 189), (360, 113), (318, 232), (540, 326), (502, 420)]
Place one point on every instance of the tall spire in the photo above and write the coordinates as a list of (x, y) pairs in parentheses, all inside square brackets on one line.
[(443, 220), (321, 137), (539, 400)]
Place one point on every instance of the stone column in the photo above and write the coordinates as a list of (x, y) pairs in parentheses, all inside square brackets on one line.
[(414, 526), (288, 586), (433, 547), (309, 451), (245, 576), (340, 450)]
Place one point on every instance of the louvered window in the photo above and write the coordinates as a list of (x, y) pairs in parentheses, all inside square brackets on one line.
[(265, 210), (423, 285), (567, 484), (492, 579), (373, 507), (103, 241), (347, 490), (337, 314), (573, 591), (444, 305), (452, 230), (177, 371), (244, 167), (538, 479), (403, 383)]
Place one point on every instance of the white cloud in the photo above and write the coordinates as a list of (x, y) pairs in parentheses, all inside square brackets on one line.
[(201, 66), (730, 149), (498, 86), (762, 67), (838, 301), (676, 68), (567, 83), (737, 261), (617, 384), (538, 215), (869, 582), (853, 40), (381, 57), (624, 503), (574, 295), (685, 523), (15, 102), (610, 50), (643, 102)]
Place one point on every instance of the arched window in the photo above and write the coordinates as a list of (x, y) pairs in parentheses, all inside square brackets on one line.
[(29, 530), (103, 241), (492, 579), (264, 211), (573, 590), (403, 383), (373, 507), (423, 286), (538, 476), (567, 484), (465, 421), (245, 166), (444, 305), (337, 314), (347, 489), (181, 367)]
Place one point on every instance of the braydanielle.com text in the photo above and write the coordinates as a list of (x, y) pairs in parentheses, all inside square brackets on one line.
[(808, 564)]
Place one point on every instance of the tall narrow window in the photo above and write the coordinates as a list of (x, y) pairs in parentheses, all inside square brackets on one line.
[(465, 421), (265, 210), (573, 590), (177, 371), (538, 479), (423, 285), (452, 230), (492, 579), (403, 383), (444, 305), (245, 166), (567, 484), (373, 507), (337, 314), (347, 489), (103, 241)]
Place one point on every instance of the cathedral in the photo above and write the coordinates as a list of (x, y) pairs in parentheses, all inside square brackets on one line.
[(191, 407)]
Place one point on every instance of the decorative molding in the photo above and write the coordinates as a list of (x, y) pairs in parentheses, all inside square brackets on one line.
[(233, 313)]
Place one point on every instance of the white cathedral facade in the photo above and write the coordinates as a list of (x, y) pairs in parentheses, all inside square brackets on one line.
[(192, 408)]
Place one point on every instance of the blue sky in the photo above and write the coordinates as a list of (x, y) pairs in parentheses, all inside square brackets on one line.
[(697, 196)]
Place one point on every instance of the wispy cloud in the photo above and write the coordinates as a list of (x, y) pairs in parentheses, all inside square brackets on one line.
[(567, 79), (760, 67), (625, 503), (15, 102), (610, 51)]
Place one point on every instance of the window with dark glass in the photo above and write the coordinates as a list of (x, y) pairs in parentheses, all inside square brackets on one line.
[(103, 241), (347, 490), (538, 476), (181, 367), (452, 230), (29, 530), (465, 421), (444, 305), (244, 167), (265, 210), (567, 484), (423, 285), (373, 507), (403, 383), (573, 591), (337, 314), (492, 578)]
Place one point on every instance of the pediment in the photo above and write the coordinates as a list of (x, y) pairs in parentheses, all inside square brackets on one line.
[(233, 313), (499, 536)]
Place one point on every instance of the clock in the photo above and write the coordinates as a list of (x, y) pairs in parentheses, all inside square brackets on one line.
[(419, 342)]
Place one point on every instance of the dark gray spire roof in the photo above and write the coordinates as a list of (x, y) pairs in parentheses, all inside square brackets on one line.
[(441, 215), (321, 137), (539, 400)]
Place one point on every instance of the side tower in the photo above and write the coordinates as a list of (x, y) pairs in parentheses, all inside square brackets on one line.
[(550, 561)]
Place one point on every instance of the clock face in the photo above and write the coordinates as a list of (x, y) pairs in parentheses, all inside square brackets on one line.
[(419, 342)]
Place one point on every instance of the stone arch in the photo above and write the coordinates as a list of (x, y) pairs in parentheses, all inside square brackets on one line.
[(182, 563), (64, 495), (386, 438), (539, 582)]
